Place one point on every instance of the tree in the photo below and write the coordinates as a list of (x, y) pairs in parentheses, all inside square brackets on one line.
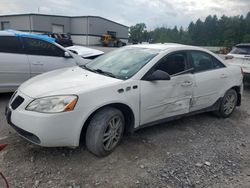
[(213, 31), (137, 32)]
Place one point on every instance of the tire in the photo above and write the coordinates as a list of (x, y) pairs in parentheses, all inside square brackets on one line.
[(228, 104), (105, 131)]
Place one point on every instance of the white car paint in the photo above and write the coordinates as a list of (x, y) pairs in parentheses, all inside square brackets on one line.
[(84, 51), (242, 60), (15, 68), (149, 101)]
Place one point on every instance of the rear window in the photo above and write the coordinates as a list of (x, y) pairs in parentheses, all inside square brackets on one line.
[(241, 50), (9, 44)]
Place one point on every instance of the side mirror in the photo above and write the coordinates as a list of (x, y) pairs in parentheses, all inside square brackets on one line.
[(158, 75), (67, 55)]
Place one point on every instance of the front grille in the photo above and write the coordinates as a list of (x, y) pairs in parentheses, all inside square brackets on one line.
[(17, 102), (33, 138)]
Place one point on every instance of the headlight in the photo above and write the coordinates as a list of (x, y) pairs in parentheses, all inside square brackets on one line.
[(53, 104)]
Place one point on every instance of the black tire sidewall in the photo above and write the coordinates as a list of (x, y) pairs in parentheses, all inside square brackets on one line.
[(97, 127), (221, 111)]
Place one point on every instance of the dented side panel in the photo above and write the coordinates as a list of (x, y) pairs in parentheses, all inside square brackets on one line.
[(162, 99)]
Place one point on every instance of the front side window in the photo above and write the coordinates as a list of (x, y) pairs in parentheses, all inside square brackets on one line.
[(173, 64), (41, 47), (9, 44), (203, 61), (124, 62)]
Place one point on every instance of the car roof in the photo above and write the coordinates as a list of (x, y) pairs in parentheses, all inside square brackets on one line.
[(243, 45), (167, 46), (11, 32)]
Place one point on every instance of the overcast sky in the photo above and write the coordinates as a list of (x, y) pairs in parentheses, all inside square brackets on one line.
[(129, 12)]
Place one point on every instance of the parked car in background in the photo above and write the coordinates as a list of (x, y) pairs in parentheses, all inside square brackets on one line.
[(124, 90), (240, 55), (24, 55), (84, 52), (63, 39)]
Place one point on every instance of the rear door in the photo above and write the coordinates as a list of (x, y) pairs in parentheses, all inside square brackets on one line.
[(210, 79), (14, 65), (45, 56)]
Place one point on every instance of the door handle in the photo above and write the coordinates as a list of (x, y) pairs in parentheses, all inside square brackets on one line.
[(187, 83), (223, 76)]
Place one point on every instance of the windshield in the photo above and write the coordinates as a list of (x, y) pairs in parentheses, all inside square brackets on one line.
[(122, 63), (241, 50)]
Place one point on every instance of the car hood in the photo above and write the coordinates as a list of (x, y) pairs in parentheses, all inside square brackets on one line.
[(84, 51), (65, 81)]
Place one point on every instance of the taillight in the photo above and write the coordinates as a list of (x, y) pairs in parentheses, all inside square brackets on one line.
[(229, 57)]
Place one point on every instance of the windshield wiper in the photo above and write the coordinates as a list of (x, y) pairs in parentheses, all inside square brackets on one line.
[(85, 67), (105, 73), (99, 71)]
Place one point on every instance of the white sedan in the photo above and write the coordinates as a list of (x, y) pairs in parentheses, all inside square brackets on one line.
[(124, 90)]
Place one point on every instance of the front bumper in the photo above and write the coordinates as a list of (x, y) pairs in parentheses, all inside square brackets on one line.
[(50, 130), (29, 136)]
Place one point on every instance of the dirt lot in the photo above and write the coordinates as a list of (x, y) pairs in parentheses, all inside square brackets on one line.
[(198, 151)]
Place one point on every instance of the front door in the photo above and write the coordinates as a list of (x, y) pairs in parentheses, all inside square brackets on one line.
[(166, 98)]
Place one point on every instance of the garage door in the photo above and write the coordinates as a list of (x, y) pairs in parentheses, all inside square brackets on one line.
[(57, 28)]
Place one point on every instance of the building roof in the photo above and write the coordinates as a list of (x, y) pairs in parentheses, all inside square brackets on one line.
[(36, 14), (11, 32)]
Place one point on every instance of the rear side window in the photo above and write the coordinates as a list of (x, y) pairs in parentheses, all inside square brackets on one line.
[(40, 47), (9, 44), (203, 61)]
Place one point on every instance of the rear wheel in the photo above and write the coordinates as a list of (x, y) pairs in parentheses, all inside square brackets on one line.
[(105, 131), (228, 104)]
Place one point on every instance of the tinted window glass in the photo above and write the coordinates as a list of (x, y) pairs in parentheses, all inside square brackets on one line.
[(245, 50), (10, 44), (217, 63), (173, 64), (203, 61), (40, 47)]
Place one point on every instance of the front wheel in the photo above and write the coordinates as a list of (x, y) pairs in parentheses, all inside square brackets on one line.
[(105, 131), (228, 104)]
